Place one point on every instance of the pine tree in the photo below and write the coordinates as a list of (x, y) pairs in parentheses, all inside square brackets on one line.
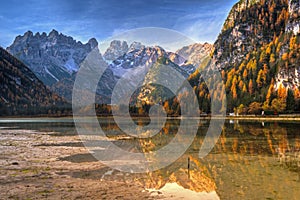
[(290, 101)]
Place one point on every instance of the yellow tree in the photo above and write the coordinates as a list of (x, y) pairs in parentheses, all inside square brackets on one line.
[(233, 87), (270, 91), (241, 85), (259, 79), (251, 88), (268, 50), (282, 93), (245, 74), (166, 106), (244, 88), (272, 58), (254, 67), (297, 93), (293, 42), (233, 91), (285, 56)]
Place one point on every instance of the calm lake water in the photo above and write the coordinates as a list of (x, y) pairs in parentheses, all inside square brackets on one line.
[(251, 159)]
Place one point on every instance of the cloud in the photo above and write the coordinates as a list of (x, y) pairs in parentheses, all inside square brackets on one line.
[(200, 20), (203, 30), (202, 26)]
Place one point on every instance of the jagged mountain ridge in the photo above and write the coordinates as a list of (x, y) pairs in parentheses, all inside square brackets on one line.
[(55, 59), (136, 56), (140, 55), (51, 57)]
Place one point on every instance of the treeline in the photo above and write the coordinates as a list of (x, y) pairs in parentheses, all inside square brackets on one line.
[(25, 110)]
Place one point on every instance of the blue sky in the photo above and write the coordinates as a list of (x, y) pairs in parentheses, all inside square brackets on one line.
[(198, 19)]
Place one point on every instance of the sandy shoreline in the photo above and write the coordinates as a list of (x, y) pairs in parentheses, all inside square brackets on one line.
[(48, 165), (29, 170)]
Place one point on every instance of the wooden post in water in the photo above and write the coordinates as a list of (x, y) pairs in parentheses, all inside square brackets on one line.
[(189, 167)]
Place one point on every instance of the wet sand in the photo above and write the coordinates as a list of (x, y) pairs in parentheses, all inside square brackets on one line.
[(29, 169)]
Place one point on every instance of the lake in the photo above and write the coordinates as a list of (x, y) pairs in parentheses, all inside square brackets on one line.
[(250, 160)]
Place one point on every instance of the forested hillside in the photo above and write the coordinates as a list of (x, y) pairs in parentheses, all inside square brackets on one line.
[(258, 55), (21, 93)]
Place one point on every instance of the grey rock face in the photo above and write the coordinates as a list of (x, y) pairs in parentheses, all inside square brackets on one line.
[(293, 24), (51, 57), (115, 50), (140, 56), (195, 53)]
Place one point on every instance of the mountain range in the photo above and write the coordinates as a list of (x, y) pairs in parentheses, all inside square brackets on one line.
[(257, 54), (55, 59), (51, 57)]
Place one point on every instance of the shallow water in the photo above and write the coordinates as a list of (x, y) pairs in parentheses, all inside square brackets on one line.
[(244, 163)]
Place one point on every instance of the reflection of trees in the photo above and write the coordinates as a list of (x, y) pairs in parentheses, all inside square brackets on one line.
[(277, 137), (246, 138), (238, 146), (198, 179), (297, 143), (252, 138)]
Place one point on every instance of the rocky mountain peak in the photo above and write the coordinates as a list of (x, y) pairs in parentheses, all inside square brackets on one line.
[(53, 33), (136, 46), (28, 34), (24, 38), (238, 8), (116, 49), (93, 42), (51, 57)]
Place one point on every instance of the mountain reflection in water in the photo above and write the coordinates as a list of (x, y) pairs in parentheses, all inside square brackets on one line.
[(246, 162)]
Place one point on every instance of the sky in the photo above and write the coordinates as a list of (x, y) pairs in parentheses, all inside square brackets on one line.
[(200, 20)]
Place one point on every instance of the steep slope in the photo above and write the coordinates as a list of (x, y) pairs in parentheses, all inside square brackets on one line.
[(247, 28), (21, 92), (195, 53), (258, 55), (51, 57), (106, 83)]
